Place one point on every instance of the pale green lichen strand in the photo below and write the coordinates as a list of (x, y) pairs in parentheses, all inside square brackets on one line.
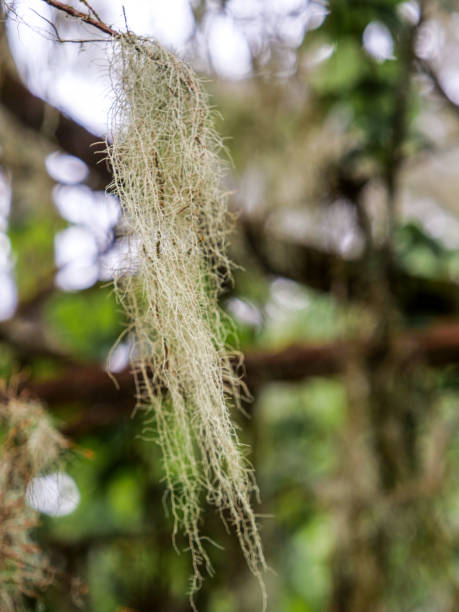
[(168, 175)]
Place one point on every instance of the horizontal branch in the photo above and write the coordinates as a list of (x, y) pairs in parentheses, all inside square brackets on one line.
[(330, 273), (86, 18), (103, 403)]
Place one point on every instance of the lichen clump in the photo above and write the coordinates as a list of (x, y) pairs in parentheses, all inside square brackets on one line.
[(167, 174), (29, 444)]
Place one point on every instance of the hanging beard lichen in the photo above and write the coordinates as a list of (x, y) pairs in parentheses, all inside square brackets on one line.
[(29, 446), (167, 174)]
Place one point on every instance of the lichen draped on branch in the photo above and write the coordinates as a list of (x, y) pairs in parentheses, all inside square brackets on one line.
[(167, 174)]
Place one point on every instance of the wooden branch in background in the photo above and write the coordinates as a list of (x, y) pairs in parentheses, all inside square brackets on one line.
[(330, 273), (71, 137), (103, 404)]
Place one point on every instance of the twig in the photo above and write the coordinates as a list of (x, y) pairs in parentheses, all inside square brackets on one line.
[(433, 76), (86, 18), (59, 39), (125, 19), (91, 10)]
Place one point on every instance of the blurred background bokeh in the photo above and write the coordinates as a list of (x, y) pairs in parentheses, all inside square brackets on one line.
[(341, 121)]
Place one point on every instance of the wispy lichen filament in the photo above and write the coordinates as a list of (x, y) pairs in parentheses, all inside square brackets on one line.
[(167, 174)]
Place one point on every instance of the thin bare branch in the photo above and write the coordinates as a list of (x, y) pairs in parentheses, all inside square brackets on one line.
[(85, 17), (427, 69), (91, 10), (58, 37)]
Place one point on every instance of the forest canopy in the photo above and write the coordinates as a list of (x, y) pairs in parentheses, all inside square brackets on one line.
[(326, 133)]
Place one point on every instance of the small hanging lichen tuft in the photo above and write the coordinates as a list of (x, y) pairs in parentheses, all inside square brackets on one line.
[(168, 174), (29, 445)]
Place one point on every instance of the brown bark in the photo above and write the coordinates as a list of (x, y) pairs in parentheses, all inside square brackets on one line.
[(103, 403), (73, 138)]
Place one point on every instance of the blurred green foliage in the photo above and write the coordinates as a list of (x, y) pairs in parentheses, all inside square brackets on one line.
[(84, 324)]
